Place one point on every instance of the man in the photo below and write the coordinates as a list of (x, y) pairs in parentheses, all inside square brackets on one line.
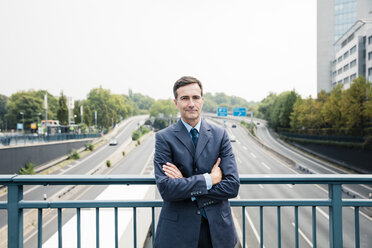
[(196, 174)]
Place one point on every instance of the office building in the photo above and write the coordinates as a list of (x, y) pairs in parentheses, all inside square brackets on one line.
[(334, 19)]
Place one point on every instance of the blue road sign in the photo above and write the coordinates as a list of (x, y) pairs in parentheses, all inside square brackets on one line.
[(222, 111), (240, 111)]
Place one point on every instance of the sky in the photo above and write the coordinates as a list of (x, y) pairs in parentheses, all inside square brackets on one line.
[(238, 47)]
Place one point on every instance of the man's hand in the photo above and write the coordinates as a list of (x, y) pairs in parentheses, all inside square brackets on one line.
[(216, 173), (172, 171)]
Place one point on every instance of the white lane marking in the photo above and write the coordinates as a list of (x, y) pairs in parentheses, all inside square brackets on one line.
[(239, 160), (253, 155), (298, 154), (261, 186), (253, 228), (322, 213), (245, 148), (303, 235), (267, 167), (290, 185)]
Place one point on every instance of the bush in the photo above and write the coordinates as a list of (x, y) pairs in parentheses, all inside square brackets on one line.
[(74, 155), (123, 153), (108, 163), (136, 135), (29, 169), (90, 146)]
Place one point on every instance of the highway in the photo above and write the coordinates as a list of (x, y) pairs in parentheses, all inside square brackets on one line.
[(251, 159)]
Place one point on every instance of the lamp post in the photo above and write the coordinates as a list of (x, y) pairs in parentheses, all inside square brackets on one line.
[(23, 121)]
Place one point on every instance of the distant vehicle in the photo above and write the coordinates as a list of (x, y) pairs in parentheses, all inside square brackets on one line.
[(113, 142), (233, 126), (258, 123), (232, 138)]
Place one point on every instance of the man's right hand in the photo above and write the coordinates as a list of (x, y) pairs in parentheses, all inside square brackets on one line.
[(216, 173)]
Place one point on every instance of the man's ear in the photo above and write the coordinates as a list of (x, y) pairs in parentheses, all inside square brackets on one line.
[(175, 102)]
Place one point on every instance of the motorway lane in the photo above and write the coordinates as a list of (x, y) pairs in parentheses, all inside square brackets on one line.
[(315, 165), (81, 166), (252, 159), (136, 162)]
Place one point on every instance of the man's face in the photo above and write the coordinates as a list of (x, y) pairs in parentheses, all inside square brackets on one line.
[(189, 102)]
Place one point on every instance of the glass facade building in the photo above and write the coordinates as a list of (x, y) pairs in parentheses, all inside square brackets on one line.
[(345, 16)]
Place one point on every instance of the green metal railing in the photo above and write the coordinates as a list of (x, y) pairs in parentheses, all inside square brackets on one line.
[(15, 203)]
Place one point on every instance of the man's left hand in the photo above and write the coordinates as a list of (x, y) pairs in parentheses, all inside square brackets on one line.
[(172, 171)]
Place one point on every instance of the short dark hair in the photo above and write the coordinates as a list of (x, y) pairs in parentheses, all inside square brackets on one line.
[(183, 81)]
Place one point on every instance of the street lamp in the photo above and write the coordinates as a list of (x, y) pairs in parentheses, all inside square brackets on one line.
[(23, 121)]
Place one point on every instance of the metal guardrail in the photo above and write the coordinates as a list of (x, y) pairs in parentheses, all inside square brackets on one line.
[(15, 204)]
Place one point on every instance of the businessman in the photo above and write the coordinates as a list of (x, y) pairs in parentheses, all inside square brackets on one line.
[(196, 174)]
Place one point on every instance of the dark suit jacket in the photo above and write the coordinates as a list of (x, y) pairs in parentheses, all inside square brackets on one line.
[(179, 221)]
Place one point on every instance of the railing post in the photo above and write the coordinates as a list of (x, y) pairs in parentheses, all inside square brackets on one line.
[(15, 216), (335, 216)]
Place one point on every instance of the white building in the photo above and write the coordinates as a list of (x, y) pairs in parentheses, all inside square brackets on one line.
[(354, 55), (334, 18)]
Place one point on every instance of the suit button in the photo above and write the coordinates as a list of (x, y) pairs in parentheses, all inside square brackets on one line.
[(198, 212)]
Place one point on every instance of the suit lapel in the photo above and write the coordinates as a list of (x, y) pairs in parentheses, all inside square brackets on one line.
[(183, 136), (204, 136)]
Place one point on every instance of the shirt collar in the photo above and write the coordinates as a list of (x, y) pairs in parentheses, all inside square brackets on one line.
[(188, 127)]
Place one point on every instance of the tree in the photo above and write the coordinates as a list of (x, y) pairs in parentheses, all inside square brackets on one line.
[(354, 104), (266, 105), (282, 109), (307, 114), (27, 103), (3, 111), (164, 107), (87, 115), (331, 110), (62, 112)]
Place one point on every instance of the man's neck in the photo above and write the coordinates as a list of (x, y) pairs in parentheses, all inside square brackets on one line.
[(192, 123)]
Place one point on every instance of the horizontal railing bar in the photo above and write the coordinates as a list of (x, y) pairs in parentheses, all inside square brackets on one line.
[(89, 204), (3, 205), (149, 180), (158, 203), (279, 202), (357, 203)]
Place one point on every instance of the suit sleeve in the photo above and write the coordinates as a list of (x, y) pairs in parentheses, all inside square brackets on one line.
[(229, 186), (174, 189)]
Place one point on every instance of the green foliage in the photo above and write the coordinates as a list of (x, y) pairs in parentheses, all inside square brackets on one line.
[(139, 132), (212, 102), (136, 135), (90, 146), (30, 103), (142, 102), (123, 153), (74, 155), (280, 110), (110, 108), (163, 107), (29, 169), (62, 112), (3, 110), (108, 163)]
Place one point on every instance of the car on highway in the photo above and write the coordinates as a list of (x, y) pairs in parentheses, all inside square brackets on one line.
[(233, 126), (232, 138), (113, 142)]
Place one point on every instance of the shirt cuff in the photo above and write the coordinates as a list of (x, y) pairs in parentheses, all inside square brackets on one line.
[(208, 180)]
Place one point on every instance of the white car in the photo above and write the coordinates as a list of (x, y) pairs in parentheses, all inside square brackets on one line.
[(113, 142), (232, 138)]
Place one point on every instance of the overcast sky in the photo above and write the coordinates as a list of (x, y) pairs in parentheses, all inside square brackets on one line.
[(239, 47)]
